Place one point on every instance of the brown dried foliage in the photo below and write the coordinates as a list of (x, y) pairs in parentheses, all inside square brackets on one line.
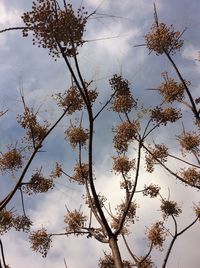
[(81, 173), (163, 38), (191, 175), (123, 165), (77, 136), (40, 241), (164, 115), (52, 25), (170, 208), (108, 262), (190, 142), (75, 221), (156, 235), (56, 172), (11, 160), (152, 190)]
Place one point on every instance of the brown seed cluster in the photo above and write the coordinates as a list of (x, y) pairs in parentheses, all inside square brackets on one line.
[(156, 235), (35, 132), (164, 115), (53, 25), (162, 39), (11, 160), (190, 142), (75, 221), (197, 210), (77, 136), (123, 101), (108, 262), (56, 172), (124, 134), (147, 263), (40, 241), (152, 190), (191, 175), (170, 208), (38, 184), (123, 165), (81, 173), (22, 223), (160, 152), (170, 90)]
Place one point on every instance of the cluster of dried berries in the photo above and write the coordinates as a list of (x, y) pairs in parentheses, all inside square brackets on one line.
[(56, 172), (124, 134), (34, 131), (160, 152), (108, 262), (123, 165), (11, 160), (81, 173), (170, 208), (162, 39), (38, 184), (77, 136), (170, 90), (40, 241), (54, 27), (9, 220), (164, 115), (75, 221), (191, 175), (156, 235), (190, 142), (123, 101), (152, 190)]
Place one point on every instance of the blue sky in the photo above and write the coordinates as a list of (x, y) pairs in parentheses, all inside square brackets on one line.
[(25, 65)]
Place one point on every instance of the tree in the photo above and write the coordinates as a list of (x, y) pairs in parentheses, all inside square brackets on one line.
[(59, 29)]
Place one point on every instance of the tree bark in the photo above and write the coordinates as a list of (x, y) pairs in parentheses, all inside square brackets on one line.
[(115, 252)]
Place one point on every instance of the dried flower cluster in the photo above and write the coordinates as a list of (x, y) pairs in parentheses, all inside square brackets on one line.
[(156, 235), (164, 115), (152, 190), (124, 134), (123, 101), (170, 208), (160, 152), (191, 175), (9, 220), (56, 172), (190, 142), (35, 132), (77, 136), (40, 241), (162, 39), (53, 26), (123, 165), (197, 210), (11, 160), (147, 263), (81, 173), (170, 90), (75, 221), (38, 184), (108, 262)]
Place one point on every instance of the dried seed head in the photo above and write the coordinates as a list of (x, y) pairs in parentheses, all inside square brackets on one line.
[(11, 160), (163, 116), (152, 190), (190, 142), (77, 136), (81, 173), (170, 208), (156, 235), (191, 175), (75, 221), (122, 164)]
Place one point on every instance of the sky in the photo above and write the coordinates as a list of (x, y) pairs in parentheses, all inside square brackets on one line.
[(110, 49)]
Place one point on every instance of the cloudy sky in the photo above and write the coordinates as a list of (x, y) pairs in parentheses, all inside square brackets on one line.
[(110, 49)]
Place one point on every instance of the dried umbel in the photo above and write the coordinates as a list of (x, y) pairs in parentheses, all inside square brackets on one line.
[(56, 172), (197, 210), (131, 214), (191, 175), (55, 27), (123, 165), (170, 208), (147, 263), (108, 262), (124, 134), (162, 39), (6, 220), (35, 132), (40, 241), (22, 223), (90, 202), (152, 190), (156, 235), (81, 173), (75, 221), (190, 142), (38, 184), (77, 136), (165, 115), (123, 101), (171, 90), (11, 160), (159, 152)]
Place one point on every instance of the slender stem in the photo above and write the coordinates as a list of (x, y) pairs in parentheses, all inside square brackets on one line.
[(129, 250), (186, 162), (2, 254)]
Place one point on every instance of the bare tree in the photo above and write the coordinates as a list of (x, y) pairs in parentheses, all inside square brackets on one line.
[(57, 28)]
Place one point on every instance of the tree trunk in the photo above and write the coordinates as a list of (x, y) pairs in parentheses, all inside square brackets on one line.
[(115, 253)]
